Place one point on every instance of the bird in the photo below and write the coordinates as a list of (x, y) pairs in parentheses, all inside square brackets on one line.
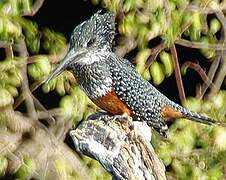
[(112, 82)]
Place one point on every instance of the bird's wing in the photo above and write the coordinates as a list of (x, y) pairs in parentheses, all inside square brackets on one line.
[(149, 104), (144, 100)]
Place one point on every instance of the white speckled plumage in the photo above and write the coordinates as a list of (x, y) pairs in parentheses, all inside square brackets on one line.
[(99, 71)]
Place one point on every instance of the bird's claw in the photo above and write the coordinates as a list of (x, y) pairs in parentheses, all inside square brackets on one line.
[(99, 116)]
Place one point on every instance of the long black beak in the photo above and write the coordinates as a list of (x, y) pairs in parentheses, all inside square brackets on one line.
[(71, 57)]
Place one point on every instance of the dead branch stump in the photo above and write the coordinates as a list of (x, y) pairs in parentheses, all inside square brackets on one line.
[(121, 145)]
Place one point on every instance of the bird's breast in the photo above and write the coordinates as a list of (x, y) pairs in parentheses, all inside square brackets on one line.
[(110, 102), (97, 82), (94, 79)]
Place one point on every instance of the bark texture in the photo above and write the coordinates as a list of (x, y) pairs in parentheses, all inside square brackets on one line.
[(121, 145)]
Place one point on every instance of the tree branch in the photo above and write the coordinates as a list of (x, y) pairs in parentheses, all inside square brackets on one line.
[(129, 43), (22, 138), (220, 76), (5, 44), (154, 53), (36, 6), (178, 74), (199, 45), (22, 50), (200, 71), (121, 146), (211, 74)]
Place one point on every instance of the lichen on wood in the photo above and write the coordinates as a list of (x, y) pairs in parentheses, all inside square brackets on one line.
[(121, 145)]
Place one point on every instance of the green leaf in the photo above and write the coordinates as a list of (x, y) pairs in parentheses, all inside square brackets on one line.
[(157, 74)]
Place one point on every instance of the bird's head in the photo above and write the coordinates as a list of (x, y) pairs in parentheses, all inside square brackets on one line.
[(93, 35)]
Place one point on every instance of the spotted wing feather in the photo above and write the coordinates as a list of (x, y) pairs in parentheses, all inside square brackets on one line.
[(146, 102), (144, 99)]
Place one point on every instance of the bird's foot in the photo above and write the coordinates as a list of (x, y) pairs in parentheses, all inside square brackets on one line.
[(124, 119), (101, 115), (163, 134), (124, 116), (104, 116), (160, 127), (108, 118)]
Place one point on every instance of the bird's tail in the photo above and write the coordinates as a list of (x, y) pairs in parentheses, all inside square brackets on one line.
[(200, 118), (193, 116)]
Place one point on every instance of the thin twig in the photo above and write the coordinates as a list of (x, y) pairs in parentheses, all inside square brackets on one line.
[(31, 60), (9, 52), (36, 84), (22, 50), (220, 76), (220, 16), (167, 11), (211, 73), (36, 6), (206, 10), (199, 45), (205, 24), (54, 112), (5, 44), (61, 128), (200, 71), (178, 74), (155, 51), (39, 106), (215, 64), (129, 43), (33, 87), (221, 73), (120, 14)]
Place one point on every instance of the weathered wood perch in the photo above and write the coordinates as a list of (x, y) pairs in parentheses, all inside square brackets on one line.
[(121, 146)]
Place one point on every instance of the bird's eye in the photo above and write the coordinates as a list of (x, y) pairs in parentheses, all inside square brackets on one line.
[(91, 42)]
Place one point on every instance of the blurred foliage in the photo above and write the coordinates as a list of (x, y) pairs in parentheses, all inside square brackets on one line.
[(73, 106), (192, 151)]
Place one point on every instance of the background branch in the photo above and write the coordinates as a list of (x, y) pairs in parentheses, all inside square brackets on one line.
[(178, 74), (36, 6)]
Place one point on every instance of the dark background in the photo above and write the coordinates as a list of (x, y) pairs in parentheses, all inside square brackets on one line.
[(63, 16)]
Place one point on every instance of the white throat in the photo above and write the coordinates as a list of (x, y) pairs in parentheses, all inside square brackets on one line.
[(93, 56)]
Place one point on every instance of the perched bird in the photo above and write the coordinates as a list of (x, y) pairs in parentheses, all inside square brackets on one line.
[(112, 82)]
